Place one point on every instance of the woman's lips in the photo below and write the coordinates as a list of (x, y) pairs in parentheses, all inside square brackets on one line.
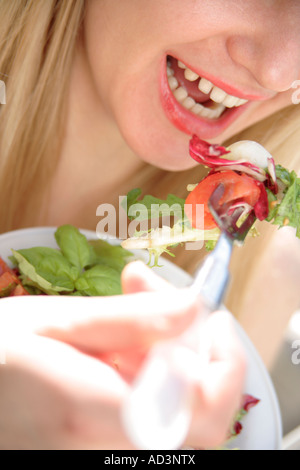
[(188, 122)]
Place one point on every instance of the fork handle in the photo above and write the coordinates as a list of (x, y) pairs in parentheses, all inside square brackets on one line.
[(158, 411), (212, 278)]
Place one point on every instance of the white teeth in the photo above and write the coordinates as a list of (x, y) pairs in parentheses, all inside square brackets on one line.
[(219, 110), (221, 100), (190, 75), (205, 86), (241, 102), (217, 95), (209, 113), (181, 65), (180, 94), (170, 72), (197, 108), (173, 83), (188, 103), (205, 112), (220, 96), (230, 101)]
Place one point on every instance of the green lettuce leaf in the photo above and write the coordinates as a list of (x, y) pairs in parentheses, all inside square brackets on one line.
[(48, 269), (287, 210), (74, 246), (99, 281), (153, 207), (113, 256), (284, 175), (210, 245)]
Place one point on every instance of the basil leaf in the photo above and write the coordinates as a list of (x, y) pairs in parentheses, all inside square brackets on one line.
[(113, 256), (48, 269), (74, 246), (132, 197), (30, 286), (99, 281), (77, 294), (153, 207)]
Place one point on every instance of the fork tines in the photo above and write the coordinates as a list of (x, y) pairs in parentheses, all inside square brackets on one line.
[(227, 217)]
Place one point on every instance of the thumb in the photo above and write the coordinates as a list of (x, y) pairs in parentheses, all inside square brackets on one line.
[(137, 277)]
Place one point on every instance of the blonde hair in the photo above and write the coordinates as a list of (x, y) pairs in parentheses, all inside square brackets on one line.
[(37, 41)]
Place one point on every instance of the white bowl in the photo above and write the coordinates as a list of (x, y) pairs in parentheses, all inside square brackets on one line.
[(262, 426)]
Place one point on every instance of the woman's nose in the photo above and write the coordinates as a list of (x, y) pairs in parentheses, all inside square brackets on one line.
[(272, 57)]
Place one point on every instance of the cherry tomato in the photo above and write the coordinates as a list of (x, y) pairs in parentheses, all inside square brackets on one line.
[(237, 187), (10, 284)]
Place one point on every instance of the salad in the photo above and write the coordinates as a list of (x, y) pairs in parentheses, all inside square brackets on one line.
[(78, 268), (251, 181), (248, 402)]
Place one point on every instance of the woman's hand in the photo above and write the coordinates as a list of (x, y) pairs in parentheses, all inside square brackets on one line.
[(70, 363)]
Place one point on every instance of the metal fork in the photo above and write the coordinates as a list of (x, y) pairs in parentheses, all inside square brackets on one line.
[(211, 280), (158, 412)]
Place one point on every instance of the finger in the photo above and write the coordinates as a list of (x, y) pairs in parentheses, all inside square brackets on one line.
[(74, 400), (219, 391), (126, 363), (137, 277), (99, 324)]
